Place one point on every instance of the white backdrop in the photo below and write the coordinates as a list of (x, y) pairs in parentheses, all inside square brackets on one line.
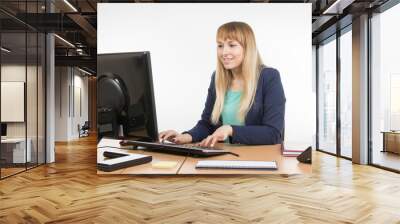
[(181, 39)]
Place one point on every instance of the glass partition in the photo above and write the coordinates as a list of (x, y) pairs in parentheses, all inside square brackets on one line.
[(13, 96), (41, 109), (31, 98), (22, 88), (32, 108)]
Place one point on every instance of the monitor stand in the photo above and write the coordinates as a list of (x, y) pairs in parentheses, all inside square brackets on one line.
[(144, 139), (139, 138)]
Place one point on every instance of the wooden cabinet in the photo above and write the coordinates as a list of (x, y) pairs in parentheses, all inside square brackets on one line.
[(13, 151), (391, 141)]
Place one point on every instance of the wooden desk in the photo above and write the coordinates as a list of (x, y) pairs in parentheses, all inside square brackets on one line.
[(286, 165), (144, 168), (186, 165), (14, 152), (391, 141)]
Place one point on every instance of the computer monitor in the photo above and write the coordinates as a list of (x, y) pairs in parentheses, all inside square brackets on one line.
[(3, 130), (125, 98)]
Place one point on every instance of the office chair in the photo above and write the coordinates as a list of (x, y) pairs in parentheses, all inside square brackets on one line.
[(84, 129), (112, 105)]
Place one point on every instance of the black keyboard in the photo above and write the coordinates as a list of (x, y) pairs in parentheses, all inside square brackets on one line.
[(187, 150)]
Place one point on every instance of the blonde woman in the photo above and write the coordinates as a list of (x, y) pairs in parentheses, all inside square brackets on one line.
[(245, 102)]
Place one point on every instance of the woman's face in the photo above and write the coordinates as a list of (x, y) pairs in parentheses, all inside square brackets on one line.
[(230, 53)]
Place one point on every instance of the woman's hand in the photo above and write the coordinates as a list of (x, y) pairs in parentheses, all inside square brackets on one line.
[(220, 134), (175, 137)]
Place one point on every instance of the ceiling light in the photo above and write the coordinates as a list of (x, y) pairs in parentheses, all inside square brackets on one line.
[(79, 51), (5, 50), (338, 6), (64, 40), (70, 5), (84, 71)]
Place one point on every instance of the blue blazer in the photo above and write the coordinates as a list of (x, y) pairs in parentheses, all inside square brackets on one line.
[(264, 123)]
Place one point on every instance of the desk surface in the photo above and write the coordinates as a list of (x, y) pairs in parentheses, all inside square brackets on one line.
[(186, 165), (391, 132), (13, 140), (148, 167), (140, 169), (286, 165)]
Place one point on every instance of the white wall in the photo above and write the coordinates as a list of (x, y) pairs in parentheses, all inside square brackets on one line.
[(14, 72), (68, 80), (181, 39), (61, 103), (80, 83), (17, 73), (33, 125), (12, 99)]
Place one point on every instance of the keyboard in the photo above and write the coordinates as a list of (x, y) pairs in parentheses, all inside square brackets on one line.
[(187, 150)]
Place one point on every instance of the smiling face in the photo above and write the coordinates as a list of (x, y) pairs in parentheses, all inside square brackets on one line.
[(230, 53)]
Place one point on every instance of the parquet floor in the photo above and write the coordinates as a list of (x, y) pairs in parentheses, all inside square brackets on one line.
[(69, 191), (10, 171)]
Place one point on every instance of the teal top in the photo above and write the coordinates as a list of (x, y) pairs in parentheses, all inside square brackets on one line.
[(264, 121), (231, 107)]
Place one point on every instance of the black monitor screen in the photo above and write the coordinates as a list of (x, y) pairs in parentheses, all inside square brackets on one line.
[(125, 97)]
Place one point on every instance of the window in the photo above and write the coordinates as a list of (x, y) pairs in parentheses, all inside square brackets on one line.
[(346, 93), (327, 96), (385, 89)]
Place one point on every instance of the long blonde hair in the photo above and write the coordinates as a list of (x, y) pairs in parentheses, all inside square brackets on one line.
[(251, 68)]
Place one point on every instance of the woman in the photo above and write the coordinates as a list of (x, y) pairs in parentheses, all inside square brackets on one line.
[(245, 102)]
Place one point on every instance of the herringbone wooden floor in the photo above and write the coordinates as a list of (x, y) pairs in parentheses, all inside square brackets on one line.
[(69, 191)]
